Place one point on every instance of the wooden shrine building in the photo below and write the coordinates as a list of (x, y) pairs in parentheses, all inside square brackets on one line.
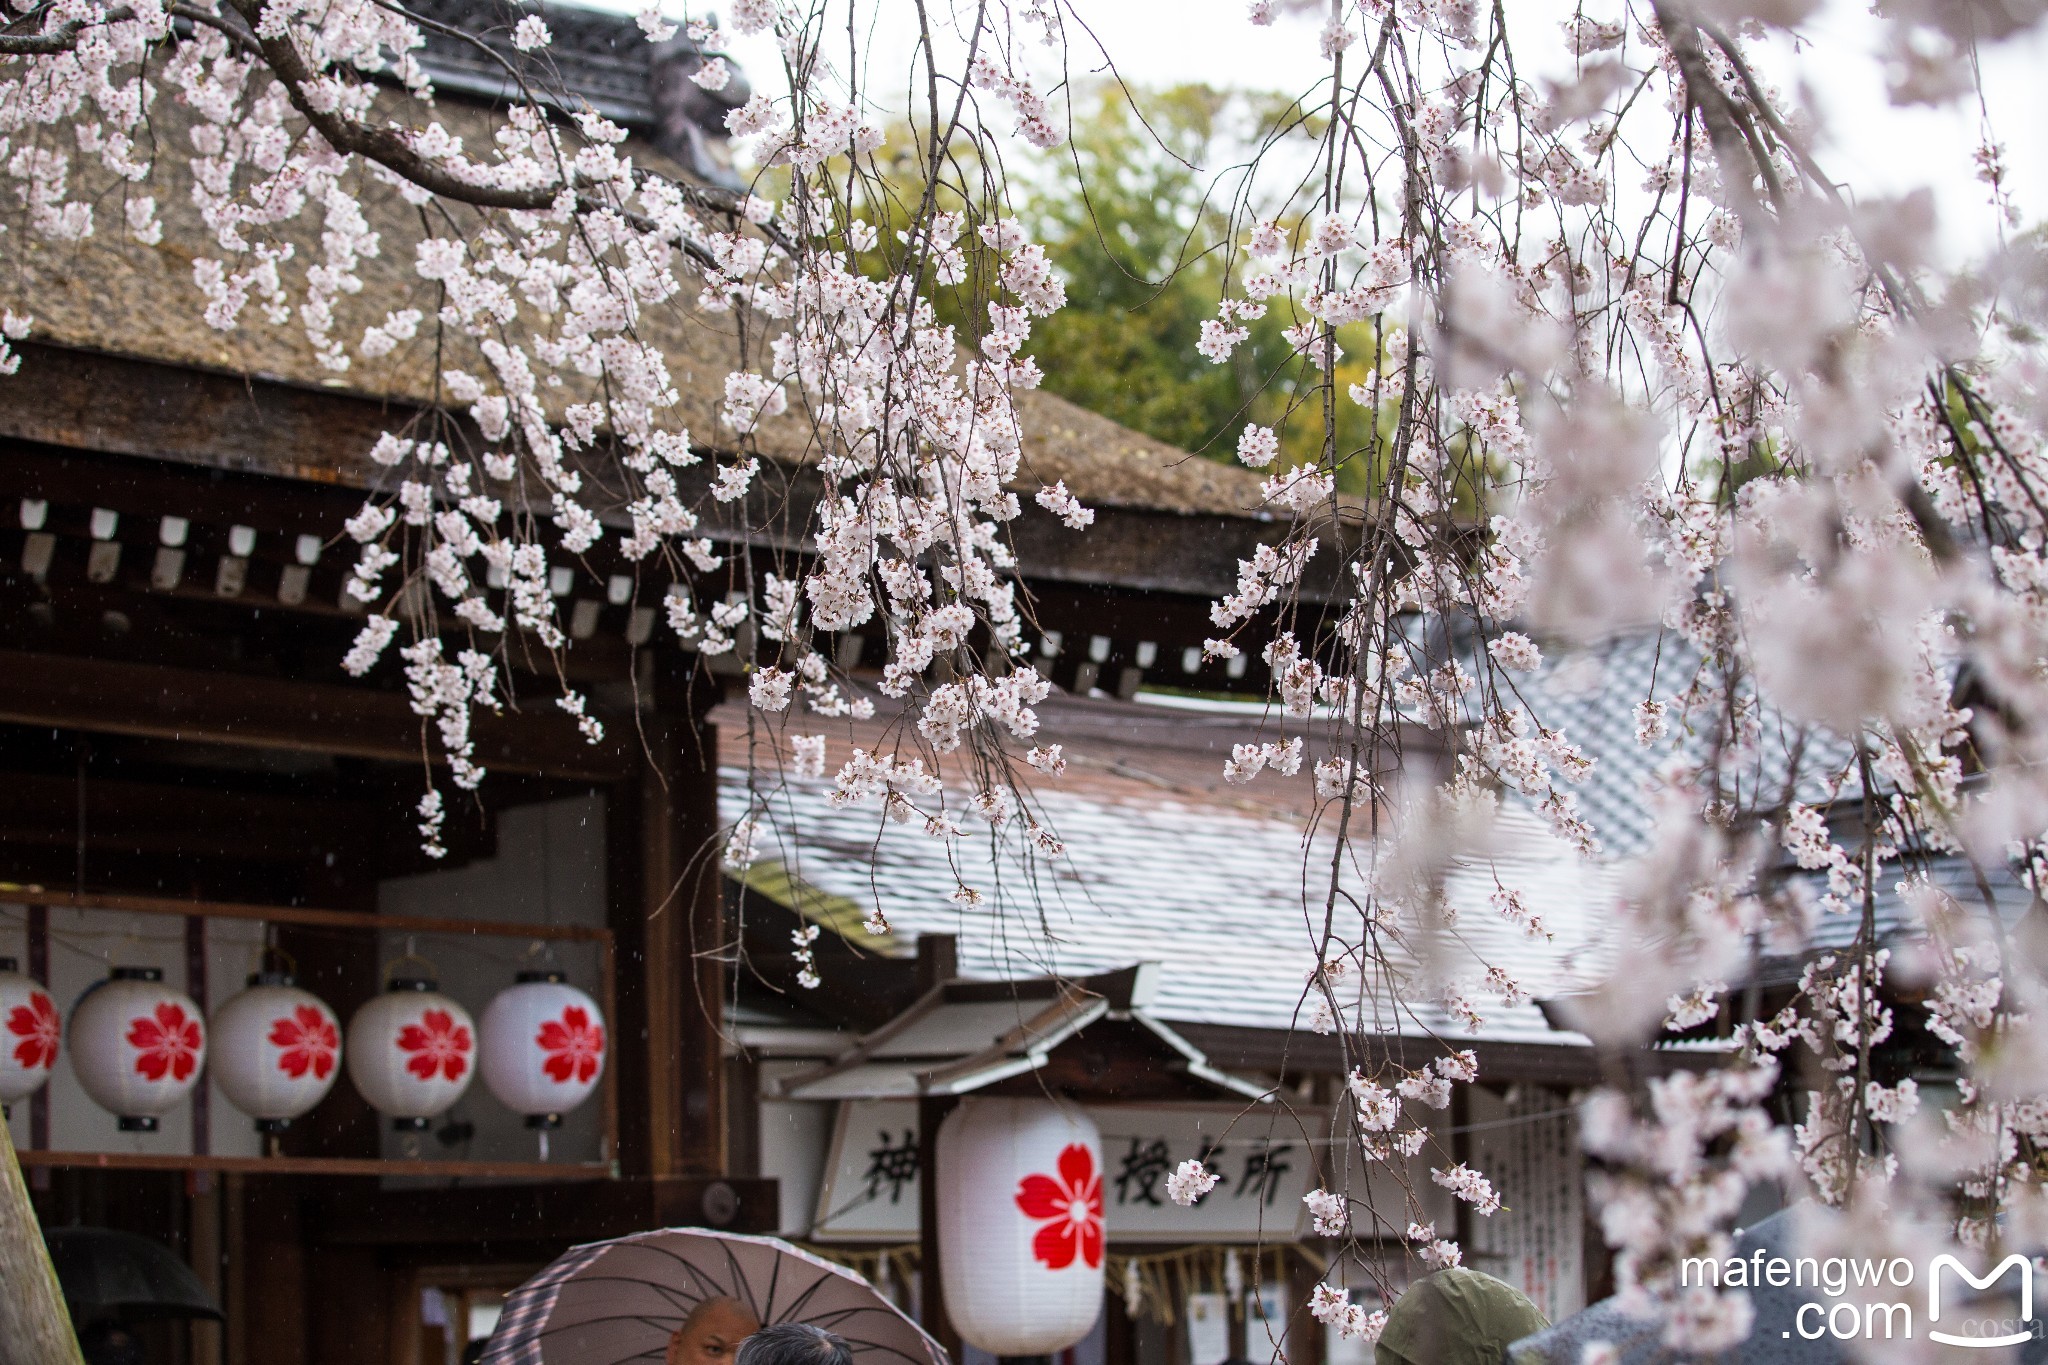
[(190, 784)]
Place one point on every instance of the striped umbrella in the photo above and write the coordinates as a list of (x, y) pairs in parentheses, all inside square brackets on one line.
[(608, 1303)]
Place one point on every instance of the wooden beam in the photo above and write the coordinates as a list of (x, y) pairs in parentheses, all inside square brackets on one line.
[(294, 914), (1295, 1054), (96, 402), (160, 817), (321, 1165), (93, 401), (469, 1217), (109, 697)]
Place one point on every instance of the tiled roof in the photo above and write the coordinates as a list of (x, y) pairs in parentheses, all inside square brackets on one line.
[(1895, 920), (1591, 695), (1222, 895)]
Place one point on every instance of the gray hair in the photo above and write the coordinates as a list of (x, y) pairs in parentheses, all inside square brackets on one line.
[(794, 1343)]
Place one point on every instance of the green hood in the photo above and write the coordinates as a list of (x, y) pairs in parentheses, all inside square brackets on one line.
[(1456, 1317)]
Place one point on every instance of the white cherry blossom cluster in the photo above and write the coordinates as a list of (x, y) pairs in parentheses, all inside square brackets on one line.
[(547, 252), (1704, 400), (1333, 1307), (1608, 352)]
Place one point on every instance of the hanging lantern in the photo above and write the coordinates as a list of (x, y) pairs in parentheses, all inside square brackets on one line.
[(276, 1050), (137, 1045), (1020, 1224), (29, 1034), (543, 1047), (411, 1052)]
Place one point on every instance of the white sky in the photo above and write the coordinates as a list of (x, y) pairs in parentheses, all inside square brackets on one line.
[(1873, 147)]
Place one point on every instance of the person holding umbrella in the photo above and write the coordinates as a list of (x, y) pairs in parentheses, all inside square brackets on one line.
[(712, 1333), (692, 1296)]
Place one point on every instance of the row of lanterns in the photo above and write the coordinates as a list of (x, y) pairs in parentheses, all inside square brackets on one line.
[(139, 1047)]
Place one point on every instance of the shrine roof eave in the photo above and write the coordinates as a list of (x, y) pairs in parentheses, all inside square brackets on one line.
[(932, 1049)]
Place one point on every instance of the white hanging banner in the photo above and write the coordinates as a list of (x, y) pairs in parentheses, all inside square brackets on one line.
[(1528, 1145), (870, 1190)]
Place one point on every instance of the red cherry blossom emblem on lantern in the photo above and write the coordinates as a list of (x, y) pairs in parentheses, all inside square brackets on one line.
[(439, 1046), (1073, 1204), (37, 1026), (574, 1046), (166, 1043), (309, 1040)]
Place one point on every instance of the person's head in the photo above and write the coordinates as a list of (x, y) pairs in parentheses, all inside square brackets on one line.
[(1456, 1317), (712, 1332), (106, 1341), (794, 1343)]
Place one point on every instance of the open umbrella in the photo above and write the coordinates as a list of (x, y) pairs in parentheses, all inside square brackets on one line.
[(612, 1302), (104, 1272)]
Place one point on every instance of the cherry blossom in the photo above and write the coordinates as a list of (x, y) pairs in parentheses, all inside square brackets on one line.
[(1189, 1182), (1628, 358)]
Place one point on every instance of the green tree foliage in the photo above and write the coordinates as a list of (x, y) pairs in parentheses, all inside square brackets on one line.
[(1140, 222), (1141, 214)]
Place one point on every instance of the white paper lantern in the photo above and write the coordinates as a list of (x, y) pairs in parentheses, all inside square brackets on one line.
[(411, 1052), (137, 1045), (276, 1050), (542, 1047), (29, 1034), (1020, 1224)]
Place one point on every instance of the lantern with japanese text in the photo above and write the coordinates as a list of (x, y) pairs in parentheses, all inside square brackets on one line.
[(542, 1047), (137, 1045), (29, 1034), (1020, 1224), (411, 1052), (276, 1050)]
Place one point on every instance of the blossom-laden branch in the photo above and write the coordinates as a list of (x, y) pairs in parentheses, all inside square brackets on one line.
[(1626, 362)]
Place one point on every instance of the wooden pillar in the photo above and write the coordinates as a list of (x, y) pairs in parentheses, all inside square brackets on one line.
[(1237, 1313), (273, 1318), (234, 1289), (204, 1203), (349, 1312), (667, 912), (39, 1103), (1304, 1344), (346, 971), (931, 1112), (1120, 1334), (938, 961), (1461, 1154), (699, 901), (196, 986)]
